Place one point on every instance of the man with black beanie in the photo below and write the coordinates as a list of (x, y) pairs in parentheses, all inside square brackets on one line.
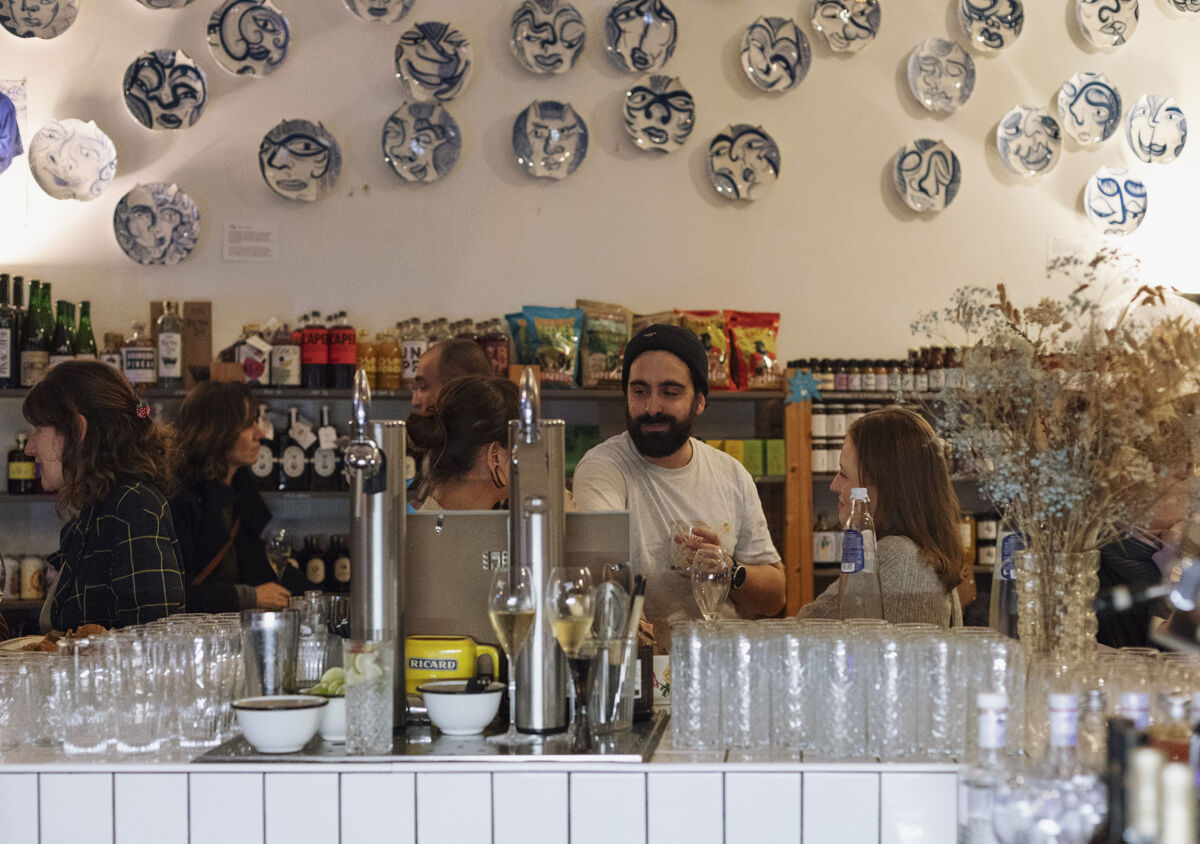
[(659, 473)]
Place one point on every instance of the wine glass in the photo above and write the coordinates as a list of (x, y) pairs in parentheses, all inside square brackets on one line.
[(279, 549), (711, 571), (570, 606), (511, 610)]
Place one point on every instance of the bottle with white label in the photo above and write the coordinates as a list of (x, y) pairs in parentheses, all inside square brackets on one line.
[(338, 561), (983, 781), (10, 372), (859, 594), (254, 356), (313, 563), (294, 469), (170, 347), (266, 475), (325, 459), (139, 357)]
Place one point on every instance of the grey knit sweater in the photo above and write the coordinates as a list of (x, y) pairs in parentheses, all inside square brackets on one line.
[(911, 589)]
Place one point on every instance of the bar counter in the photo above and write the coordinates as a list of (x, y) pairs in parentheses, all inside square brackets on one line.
[(468, 797)]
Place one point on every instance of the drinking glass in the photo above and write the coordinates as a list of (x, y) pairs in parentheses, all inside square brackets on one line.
[(684, 539), (370, 679), (279, 549), (711, 570), (511, 610), (570, 606), (84, 673)]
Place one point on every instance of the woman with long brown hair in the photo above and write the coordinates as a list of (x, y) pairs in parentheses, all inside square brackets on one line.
[(896, 455), (219, 512), (111, 465)]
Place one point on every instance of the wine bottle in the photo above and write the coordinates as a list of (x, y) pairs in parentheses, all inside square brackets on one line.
[(85, 340), (338, 570), (35, 343), (9, 371), (265, 473), (139, 358), (294, 470), (325, 458), (313, 562), (22, 470), (62, 346), (170, 347)]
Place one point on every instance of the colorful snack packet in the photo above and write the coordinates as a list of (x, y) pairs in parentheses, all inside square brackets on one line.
[(709, 326), (606, 331), (556, 331), (754, 338)]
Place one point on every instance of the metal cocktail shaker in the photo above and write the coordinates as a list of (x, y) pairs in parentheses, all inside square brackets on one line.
[(535, 535)]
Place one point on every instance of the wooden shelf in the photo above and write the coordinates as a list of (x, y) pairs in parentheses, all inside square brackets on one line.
[(548, 394)]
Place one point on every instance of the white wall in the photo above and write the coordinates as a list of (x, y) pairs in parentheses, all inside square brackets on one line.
[(831, 247)]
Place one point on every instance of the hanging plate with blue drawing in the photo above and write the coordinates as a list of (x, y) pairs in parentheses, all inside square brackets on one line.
[(991, 24), (156, 223), (659, 113), (10, 132), (847, 25), (164, 4), (1187, 6), (926, 174), (248, 37), (421, 142), (1107, 23), (71, 159), (38, 18), (379, 11), (1029, 140), (1115, 201), (941, 74), (1156, 129), (640, 34), (775, 54), (300, 160), (547, 36), (433, 60), (743, 162), (549, 139), (165, 90), (1089, 108)]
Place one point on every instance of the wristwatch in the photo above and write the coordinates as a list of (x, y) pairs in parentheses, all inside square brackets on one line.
[(738, 576)]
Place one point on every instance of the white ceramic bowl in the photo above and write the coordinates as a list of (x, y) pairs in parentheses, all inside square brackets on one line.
[(457, 712), (279, 723), (333, 720)]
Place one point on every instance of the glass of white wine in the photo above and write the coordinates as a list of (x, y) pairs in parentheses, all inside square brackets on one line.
[(570, 605), (711, 572), (511, 610)]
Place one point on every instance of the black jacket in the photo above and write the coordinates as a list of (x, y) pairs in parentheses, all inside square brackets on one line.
[(1127, 562)]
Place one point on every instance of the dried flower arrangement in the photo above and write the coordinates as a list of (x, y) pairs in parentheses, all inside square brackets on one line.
[(1073, 415)]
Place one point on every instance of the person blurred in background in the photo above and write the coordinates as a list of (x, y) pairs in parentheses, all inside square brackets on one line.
[(111, 466), (219, 514)]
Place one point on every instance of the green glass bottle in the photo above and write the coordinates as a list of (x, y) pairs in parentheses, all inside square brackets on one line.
[(10, 375), (85, 340), (62, 345), (36, 338)]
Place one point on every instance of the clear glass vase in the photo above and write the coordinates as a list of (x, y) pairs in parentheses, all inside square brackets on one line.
[(1056, 617)]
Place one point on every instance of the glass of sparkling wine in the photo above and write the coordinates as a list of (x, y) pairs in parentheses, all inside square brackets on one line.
[(711, 571), (570, 606), (511, 611)]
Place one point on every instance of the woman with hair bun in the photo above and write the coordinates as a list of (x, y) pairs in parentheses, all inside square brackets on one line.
[(111, 465), (465, 440)]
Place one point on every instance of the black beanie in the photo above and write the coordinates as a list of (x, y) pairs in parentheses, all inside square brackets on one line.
[(681, 342)]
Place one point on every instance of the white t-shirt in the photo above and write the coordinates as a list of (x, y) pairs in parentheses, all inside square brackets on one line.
[(713, 488)]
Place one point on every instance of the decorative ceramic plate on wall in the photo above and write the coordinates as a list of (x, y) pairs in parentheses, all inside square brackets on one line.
[(1029, 140), (164, 4), (165, 89), (433, 60), (421, 142), (248, 37), (300, 160), (941, 74), (549, 139), (991, 24), (547, 36), (156, 223), (659, 113), (1089, 108), (640, 34), (775, 54), (1189, 6), (10, 133), (38, 18), (926, 174), (1156, 129), (1115, 202), (71, 159), (847, 25), (743, 162), (1107, 23), (379, 11)]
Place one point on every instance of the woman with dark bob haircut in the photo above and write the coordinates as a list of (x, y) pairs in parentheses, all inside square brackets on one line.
[(896, 455), (110, 463), (219, 512)]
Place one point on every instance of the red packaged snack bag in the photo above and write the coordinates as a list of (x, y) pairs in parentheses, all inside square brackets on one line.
[(754, 337), (709, 326)]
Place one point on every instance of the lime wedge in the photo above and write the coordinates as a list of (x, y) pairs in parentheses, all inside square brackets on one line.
[(363, 667)]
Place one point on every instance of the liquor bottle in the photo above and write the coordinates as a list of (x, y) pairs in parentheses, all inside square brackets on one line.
[(1178, 806), (266, 476), (170, 347), (325, 458), (496, 346), (1092, 741), (294, 470), (314, 353), (36, 338), (343, 352), (10, 376), (389, 361), (337, 570), (1136, 707), (285, 359), (139, 358), (367, 361), (62, 346), (984, 780), (253, 355), (1173, 734), (113, 340), (85, 340), (1142, 823), (1002, 610), (859, 595), (313, 563), (22, 470)]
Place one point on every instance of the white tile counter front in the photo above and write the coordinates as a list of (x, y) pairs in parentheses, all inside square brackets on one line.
[(473, 803)]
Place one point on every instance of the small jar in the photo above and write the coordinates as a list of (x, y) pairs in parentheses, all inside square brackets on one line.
[(895, 382), (819, 466), (833, 454), (820, 421), (836, 421), (854, 376)]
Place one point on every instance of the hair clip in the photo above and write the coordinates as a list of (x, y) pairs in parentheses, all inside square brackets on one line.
[(143, 410)]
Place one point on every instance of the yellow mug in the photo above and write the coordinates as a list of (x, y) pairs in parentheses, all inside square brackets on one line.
[(443, 658)]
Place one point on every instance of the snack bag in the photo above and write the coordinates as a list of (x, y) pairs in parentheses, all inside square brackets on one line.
[(753, 337), (556, 332), (606, 331), (523, 348), (641, 321), (709, 326)]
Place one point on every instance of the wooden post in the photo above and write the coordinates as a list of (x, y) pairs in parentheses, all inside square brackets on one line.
[(798, 521)]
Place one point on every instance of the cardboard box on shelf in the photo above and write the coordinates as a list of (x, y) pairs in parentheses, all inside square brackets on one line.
[(752, 457), (776, 457)]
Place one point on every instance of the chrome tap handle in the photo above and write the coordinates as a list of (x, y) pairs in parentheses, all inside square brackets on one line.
[(362, 454), (529, 408)]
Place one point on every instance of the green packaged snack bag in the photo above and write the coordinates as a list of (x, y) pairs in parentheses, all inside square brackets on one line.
[(606, 331), (556, 333)]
